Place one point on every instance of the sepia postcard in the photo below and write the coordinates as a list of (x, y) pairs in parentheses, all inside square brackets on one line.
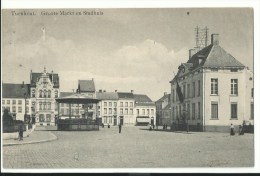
[(127, 88)]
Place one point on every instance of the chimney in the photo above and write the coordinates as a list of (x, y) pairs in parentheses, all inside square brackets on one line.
[(191, 52), (115, 90), (215, 39), (132, 91), (52, 76), (100, 90), (104, 90), (165, 93)]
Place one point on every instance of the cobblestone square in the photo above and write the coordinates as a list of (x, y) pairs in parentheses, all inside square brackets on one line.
[(135, 147)]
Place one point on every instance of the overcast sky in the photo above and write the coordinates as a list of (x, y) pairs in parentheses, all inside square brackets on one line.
[(124, 49)]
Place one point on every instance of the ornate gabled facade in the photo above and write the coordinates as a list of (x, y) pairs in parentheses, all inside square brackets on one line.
[(44, 88)]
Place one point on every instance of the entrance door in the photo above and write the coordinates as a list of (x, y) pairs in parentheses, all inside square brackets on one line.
[(121, 120), (115, 120)]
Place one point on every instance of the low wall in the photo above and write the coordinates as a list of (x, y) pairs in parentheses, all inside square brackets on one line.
[(15, 135)]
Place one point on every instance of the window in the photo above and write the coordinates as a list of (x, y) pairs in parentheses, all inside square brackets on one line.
[(131, 111), (19, 109), (173, 95), (27, 102), (121, 110), (110, 119), (233, 110), (115, 111), (105, 119), (188, 111), (19, 102), (14, 102), (131, 104), (105, 110), (152, 111), (148, 112), (110, 104), (137, 112), (62, 111), (56, 94), (233, 70), (41, 118), (115, 104), (40, 93), (214, 86), (198, 110), (49, 106), (193, 89), (49, 94), (13, 109), (126, 111), (198, 88), (121, 104), (48, 117), (33, 93), (143, 111), (3, 101), (193, 111), (188, 91), (234, 88), (44, 105), (184, 90), (214, 110), (40, 105), (252, 111), (126, 104), (8, 102), (27, 109), (252, 93), (173, 113), (110, 110), (105, 103)]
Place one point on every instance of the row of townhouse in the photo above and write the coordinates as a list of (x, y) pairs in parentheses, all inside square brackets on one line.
[(115, 108)]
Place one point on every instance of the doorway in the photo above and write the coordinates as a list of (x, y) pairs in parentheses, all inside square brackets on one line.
[(121, 120)]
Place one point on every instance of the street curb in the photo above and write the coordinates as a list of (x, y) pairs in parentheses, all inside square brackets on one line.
[(34, 142)]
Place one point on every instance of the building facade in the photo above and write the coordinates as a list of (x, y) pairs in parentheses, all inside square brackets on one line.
[(217, 90), (44, 88), (163, 109), (16, 98)]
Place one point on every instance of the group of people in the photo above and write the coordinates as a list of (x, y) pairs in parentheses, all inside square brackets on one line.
[(241, 129), (108, 126)]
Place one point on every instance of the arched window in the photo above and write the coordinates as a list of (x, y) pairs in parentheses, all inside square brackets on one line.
[(40, 93), (45, 94), (40, 105), (49, 94)]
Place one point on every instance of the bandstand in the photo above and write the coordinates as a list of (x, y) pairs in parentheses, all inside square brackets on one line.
[(84, 123)]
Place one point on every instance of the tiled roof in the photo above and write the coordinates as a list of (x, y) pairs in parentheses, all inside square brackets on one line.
[(142, 98), (36, 76), (15, 90), (87, 85), (107, 95), (65, 94), (164, 97), (125, 95)]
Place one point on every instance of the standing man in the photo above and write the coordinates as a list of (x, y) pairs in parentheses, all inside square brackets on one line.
[(20, 132), (120, 126)]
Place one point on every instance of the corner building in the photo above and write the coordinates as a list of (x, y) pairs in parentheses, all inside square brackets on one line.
[(217, 89)]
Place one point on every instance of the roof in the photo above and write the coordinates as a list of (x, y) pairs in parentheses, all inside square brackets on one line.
[(36, 76), (125, 95), (87, 85), (65, 94), (213, 56), (77, 98), (15, 90), (164, 97), (167, 107), (144, 104), (142, 98), (107, 95)]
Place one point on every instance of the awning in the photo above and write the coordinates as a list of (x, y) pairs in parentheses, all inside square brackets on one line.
[(144, 119)]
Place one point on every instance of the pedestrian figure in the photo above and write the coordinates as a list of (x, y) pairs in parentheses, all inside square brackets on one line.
[(232, 130), (108, 126), (102, 125), (120, 127), (153, 126), (165, 127), (241, 130), (150, 128), (20, 129)]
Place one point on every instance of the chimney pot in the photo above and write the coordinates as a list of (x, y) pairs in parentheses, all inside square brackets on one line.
[(115, 90), (165, 93), (215, 39), (132, 91)]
